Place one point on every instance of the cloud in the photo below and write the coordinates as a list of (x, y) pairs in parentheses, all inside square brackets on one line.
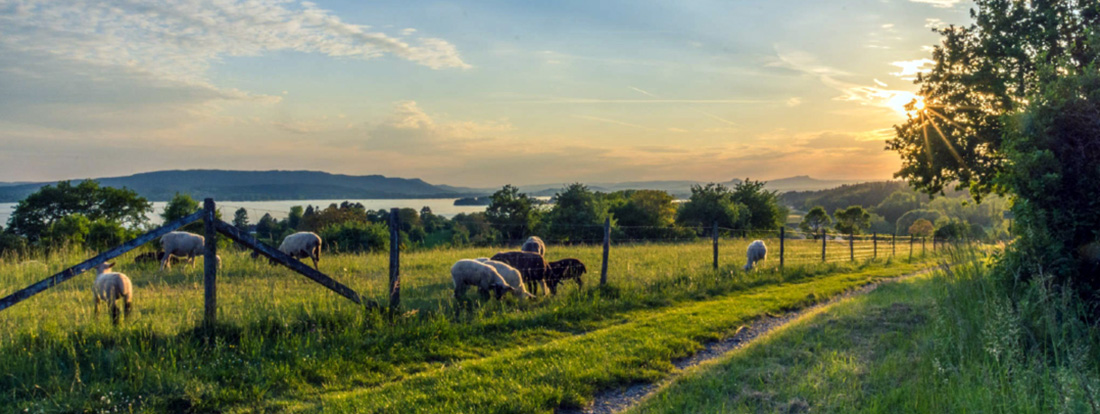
[(134, 64), (793, 102), (934, 23), (943, 4), (850, 91), (409, 130), (910, 68)]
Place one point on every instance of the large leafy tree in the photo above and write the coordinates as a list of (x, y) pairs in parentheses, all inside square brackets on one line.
[(578, 215), (852, 220), (765, 212), (712, 203), (982, 72), (513, 213), (815, 221), (34, 215)]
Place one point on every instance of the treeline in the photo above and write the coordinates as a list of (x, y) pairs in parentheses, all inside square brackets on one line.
[(94, 217), (892, 207)]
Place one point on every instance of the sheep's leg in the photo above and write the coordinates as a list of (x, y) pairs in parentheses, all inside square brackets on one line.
[(96, 299), (316, 257), (114, 313), (553, 287), (164, 263), (544, 288), (580, 283), (128, 307)]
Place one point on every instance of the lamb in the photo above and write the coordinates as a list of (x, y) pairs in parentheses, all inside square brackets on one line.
[(510, 275), (531, 266), (563, 270), (756, 252), (111, 286), (534, 245), (469, 272), (181, 243), (301, 245)]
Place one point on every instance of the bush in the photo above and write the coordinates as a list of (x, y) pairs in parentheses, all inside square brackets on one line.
[(356, 237)]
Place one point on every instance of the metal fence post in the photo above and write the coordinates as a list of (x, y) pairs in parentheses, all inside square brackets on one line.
[(606, 249), (395, 261), (782, 239), (210, 265), (715, 236)]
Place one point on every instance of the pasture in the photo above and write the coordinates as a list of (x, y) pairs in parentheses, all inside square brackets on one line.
[(284, 342)]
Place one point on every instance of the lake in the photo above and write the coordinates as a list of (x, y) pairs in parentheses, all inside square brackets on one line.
[(279, 209)]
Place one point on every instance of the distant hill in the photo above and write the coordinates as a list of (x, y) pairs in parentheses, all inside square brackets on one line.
[(682, 188), (261, 185), (804, 183)]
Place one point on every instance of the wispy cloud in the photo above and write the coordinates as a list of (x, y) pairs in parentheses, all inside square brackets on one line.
[(945, 4), (611, 121), (850, 91), (910, 68)]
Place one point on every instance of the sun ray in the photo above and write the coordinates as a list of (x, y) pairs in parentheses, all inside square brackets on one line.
[(944, 118), (950, 147)]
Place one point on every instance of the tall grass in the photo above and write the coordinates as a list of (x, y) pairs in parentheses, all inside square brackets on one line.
[(283, 337)]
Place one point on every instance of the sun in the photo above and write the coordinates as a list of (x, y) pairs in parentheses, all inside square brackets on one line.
[(905, 103)]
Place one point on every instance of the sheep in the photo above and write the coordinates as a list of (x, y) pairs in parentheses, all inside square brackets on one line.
[(153, 257), (510, 275), (299, 245), (469, 272), (563, 270), (757, 251), (181, 243), (531, 266), (534, 245), (111, 286)]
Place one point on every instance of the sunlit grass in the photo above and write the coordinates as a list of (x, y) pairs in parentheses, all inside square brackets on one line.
[(282, 336)]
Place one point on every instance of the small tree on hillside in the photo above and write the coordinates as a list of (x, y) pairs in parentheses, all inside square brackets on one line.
[(815, 221), (34, 215), (852, 220), (577, 215), (921, 228), (513, 213), (710, 203)]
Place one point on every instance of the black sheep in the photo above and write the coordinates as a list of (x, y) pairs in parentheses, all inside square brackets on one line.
[(532, 267), (563, 270)]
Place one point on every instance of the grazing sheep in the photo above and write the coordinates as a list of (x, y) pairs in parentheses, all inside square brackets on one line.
[(510, 275), (469, 272), (563, 270), (180, 244), (531, 266), (153, 257), (301, 245), (756, 252), (111, 286), (534, 245)]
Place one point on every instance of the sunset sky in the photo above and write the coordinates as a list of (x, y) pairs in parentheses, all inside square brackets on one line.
[(476, 93)]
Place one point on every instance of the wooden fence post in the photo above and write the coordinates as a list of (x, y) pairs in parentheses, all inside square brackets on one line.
[(894, 244), (874, 242), (395, 261), (715, 236), (852, 246), (910, 247), (782, 239), (210, 264), (922, 239), (823, 237), (606, 249)]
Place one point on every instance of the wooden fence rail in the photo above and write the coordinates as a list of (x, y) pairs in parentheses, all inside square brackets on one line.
[(89, 264)]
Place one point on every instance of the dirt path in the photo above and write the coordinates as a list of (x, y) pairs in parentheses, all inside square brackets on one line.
[(619, 400)]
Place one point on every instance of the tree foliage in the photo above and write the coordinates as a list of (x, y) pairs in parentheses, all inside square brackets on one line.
[(513, 213), (852, 220), (815, 221), (240, 219), (34, 215), (578, 215), (764, 211), (711, 203), (921, 228), (981, 73)]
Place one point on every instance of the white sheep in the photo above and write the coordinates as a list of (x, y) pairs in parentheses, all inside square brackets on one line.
[(183, 244), (469, 272), (757, 251), (534, 245), (511, 276), (301, 245), (111, 286)]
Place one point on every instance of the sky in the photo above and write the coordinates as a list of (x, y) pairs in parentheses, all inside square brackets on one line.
[(479, 93)]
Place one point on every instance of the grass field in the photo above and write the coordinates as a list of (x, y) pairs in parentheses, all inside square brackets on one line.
[(939, 343), (286, 343)]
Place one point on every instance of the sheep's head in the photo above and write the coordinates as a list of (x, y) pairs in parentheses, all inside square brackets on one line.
[(501, 290), (104, 267)]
